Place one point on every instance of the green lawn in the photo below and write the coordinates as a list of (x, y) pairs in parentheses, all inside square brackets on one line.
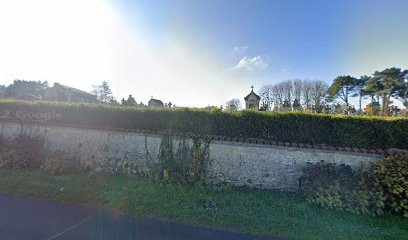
[(270, 213)]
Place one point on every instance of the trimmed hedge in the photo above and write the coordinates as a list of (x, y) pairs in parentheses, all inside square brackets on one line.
[(347, 131)]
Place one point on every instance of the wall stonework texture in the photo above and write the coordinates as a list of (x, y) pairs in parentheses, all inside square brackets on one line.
[(239, 164)]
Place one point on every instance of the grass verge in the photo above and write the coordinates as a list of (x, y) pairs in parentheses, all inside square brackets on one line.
[(269, 213)]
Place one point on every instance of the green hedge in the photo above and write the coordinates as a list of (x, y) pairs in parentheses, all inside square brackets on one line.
[(350, 131)]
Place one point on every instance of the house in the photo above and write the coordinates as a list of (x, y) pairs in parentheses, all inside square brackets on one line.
[(252, 100), (61, 93), (155, 103), (25, 90)]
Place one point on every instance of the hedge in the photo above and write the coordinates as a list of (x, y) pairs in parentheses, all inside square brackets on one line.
[(338, 130)]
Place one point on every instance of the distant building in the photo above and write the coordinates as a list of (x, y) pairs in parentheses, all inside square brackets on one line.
[(61, 93), (155, 103), (25, 90), (252, 100)]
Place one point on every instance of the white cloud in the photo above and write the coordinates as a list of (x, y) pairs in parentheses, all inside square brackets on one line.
[(285, 69), (253, 63), (240, 49)]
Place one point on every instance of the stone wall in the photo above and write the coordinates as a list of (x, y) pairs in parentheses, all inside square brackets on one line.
[(240, 164)]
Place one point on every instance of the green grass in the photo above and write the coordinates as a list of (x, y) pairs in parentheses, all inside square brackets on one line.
[(270, 213)]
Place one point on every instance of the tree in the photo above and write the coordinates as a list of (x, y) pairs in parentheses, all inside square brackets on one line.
[(2, 91), (288, 91), (266, 94), (402, 92), (278, 96), (386, 84), (372, 109), (297, 89), (306, 92), (371, 94), (233, 105), (318, 93), (359, 89), (26, 90), (342, 87), (103, 92), (212, 108), (287, 87)]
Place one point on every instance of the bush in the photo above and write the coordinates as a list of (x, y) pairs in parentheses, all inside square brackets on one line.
[(22, 151), (125, 166), (366, 132), (59, 163), (339, 187), (392, 175)]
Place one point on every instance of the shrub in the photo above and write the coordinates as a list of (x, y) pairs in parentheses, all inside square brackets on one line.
[(339, 187), (22, 151), (59, 163), (125, 166), (392, 175), (366, 132)]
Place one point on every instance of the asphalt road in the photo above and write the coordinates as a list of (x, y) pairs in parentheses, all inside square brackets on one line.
[(22, 219)]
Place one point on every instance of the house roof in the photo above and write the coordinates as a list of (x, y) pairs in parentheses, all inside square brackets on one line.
[(252, 92), (60, 86), (155, 101)]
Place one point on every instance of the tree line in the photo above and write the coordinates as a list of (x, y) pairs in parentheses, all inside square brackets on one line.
[(301, 94), (381, 88)]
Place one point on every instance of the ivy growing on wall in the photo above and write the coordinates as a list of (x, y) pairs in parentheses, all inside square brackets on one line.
[(182, 159)]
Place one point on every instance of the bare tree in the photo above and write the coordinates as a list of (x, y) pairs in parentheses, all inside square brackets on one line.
[(318, 93), (266, 94), (278, 96), (287, 90), (233, 105), (306, 92), (297, 89)]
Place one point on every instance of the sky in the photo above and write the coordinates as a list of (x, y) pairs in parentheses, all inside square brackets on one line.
[(198, 53)]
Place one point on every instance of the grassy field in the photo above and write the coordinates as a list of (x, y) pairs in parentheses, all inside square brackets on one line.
[(269, 213)]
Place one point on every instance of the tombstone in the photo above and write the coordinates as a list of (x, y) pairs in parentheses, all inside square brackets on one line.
[(297, 106), (395, 111), (286, 106), (327, 109)]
